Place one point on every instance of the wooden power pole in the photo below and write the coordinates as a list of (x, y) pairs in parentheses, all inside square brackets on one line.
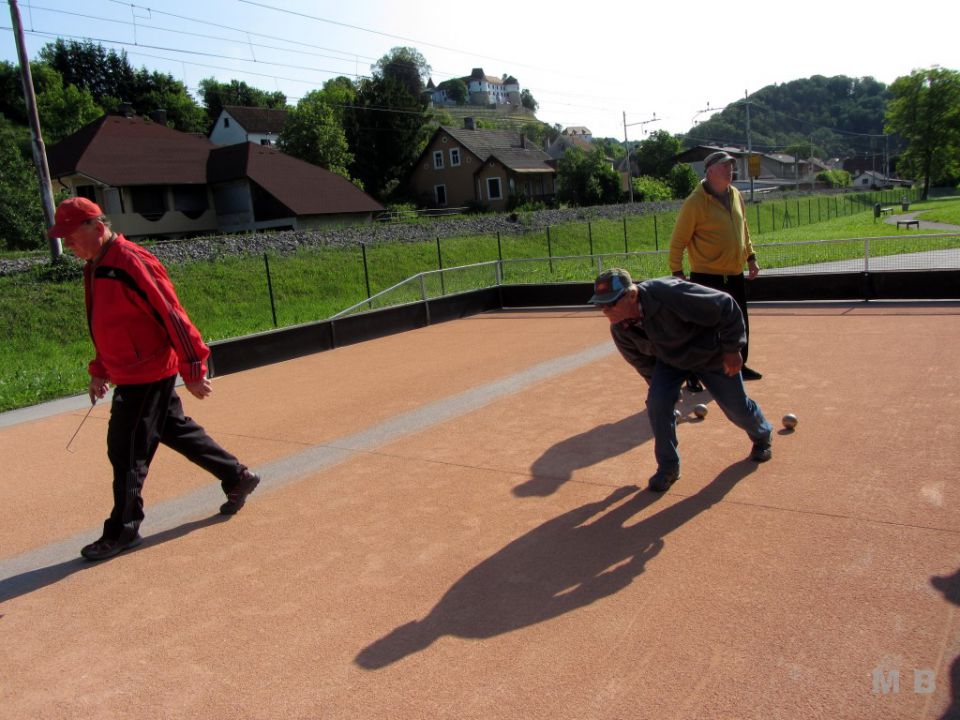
[(39, 151)]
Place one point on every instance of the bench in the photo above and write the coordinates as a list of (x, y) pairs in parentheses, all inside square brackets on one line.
[(886, 210), (908, 223)]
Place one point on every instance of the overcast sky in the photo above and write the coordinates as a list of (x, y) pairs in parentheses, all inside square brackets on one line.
[(586, 64)]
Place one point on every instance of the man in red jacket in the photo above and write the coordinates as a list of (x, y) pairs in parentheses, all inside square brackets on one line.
[(143, 339)]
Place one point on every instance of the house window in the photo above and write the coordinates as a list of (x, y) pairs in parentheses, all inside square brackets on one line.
[(226, 122), (265, 141), (438, 159), (149, 201), (454, 157), (191, 200), (86, 191), (440, 194), (493, 189)]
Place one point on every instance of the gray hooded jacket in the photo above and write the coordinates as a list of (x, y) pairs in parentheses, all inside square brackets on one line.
[(686, 325)]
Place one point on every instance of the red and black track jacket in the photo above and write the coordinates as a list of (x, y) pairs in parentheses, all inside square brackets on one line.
[(140, 331)]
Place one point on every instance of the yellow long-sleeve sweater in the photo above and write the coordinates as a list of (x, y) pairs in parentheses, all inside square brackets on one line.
[(717, 240)]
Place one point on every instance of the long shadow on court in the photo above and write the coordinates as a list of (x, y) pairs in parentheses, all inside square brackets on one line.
[(950, 587), (27, 582), (567, 563), (558, 463)]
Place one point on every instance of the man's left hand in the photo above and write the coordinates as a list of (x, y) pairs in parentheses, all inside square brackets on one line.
[(200, 389), (753, 268)]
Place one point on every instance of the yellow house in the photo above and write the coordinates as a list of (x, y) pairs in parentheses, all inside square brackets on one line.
[(463, 167)]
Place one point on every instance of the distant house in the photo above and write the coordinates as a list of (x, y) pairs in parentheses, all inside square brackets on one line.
[(463, 166), (482, 89), (777, 170), (565, 141), (237, 124), (154, 181), (578, 131)]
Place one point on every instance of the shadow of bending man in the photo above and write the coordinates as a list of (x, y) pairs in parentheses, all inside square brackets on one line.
[(558, 463), (566, 563)]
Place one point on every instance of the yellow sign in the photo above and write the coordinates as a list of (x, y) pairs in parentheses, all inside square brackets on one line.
[(753, 163)]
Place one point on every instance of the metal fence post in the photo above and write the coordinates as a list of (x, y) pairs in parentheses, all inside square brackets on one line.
[(440, 267), (866, 255), (590, 236), (423, 296), (273, 307), (366, 271), (625, 250), (549, 250), (656, 234)]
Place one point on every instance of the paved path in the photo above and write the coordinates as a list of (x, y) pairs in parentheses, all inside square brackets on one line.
[(451, 526)]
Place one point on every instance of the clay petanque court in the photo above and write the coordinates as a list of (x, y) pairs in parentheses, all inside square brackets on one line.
[(454, 523)]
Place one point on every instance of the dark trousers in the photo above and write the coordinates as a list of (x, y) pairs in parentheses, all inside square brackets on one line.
[(142, 417), (736, 287)]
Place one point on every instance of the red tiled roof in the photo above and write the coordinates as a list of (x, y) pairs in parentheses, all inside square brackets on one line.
[(122, 151), (258, 120), (304, 188)]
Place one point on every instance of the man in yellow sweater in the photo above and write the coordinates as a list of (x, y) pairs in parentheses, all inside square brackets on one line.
[(712, 228)]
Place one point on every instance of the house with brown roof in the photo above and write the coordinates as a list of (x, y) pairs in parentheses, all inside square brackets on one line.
[(158, 182), (236, 124), (466, 166)]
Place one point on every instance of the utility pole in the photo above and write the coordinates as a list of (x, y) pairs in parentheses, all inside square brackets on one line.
[(746, 102), (626, 144), (39, 151)]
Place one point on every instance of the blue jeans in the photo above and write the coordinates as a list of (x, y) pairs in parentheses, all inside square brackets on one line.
[(729, 394)]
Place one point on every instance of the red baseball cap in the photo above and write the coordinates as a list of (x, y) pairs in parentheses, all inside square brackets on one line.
[(71, 214)]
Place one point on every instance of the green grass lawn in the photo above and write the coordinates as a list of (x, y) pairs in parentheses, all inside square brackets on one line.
[(46, 348)]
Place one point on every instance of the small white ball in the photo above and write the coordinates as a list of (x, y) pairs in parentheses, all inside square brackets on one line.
[(790, 421), (700, 411)]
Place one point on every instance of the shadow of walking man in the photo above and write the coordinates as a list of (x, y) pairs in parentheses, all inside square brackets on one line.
[(950, 587), (566, 563)]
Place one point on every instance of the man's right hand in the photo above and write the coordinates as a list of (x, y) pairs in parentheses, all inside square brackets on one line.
[(732, 362), (97, 389)]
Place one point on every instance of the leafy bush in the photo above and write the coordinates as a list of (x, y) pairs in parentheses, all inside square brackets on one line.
[(647, 189), (64, 270), (835, 178), (682, 180)]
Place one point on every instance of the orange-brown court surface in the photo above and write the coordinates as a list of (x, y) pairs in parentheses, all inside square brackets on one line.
[(453, 523)]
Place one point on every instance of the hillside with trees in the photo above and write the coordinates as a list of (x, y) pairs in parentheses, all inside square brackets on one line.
[(840, 116)]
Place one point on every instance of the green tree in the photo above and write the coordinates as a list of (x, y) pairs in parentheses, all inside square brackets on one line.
[(655, 155), (541, 133), (389, 128), (651, 189), (405, 65), (63, 109), (611, 147), (313, 132), (457, 91), (21, 215), (216, 94), (110, 79), (528, 101), (682, 180), (587, 178), (835, 178), (925, 111)]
